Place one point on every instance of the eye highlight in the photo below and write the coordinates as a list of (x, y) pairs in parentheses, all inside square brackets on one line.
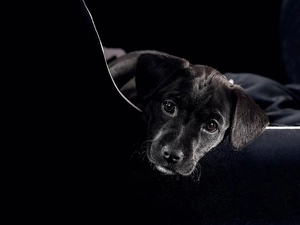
[(211, 126), (169, 107)]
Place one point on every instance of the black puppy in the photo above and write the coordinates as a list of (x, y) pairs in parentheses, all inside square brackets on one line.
[(189, 109)]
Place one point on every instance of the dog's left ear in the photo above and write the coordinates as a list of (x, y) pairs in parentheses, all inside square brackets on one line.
[(248, 121)]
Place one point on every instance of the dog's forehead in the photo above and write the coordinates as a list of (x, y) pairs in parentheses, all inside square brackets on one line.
[(201, 83)]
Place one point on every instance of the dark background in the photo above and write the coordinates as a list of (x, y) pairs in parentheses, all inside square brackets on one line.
[(232, 36)]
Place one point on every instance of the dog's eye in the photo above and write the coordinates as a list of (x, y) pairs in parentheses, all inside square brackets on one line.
[(169, 106), (211, 126)]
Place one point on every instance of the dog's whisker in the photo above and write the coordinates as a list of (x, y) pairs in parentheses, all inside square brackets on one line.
[(151, 165), (141, 152), (137, 153), (196, 175), (144, 148), (143, 155), (199, 170)]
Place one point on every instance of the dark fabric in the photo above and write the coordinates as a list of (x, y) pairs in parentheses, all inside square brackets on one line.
[(280, 102), (257, 185), (289, 29), (235, 36)]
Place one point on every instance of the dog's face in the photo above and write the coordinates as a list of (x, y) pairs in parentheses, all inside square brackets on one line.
[(186, 119), (189, 109)]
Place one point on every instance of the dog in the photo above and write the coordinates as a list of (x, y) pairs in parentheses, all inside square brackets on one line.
[(189, 108)]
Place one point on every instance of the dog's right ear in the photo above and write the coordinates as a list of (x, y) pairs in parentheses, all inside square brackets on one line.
[(248, 121), (155, 69)]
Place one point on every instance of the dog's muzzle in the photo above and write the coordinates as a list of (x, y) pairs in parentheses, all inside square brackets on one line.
[(170, 162)]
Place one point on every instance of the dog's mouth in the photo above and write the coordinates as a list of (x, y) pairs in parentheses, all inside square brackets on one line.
[(185, 171), (164, 170)]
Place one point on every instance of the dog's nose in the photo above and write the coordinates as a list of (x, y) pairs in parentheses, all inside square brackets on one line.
[(172, 156)]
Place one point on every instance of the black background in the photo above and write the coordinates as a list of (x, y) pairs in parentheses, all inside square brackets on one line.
[(232, 36)]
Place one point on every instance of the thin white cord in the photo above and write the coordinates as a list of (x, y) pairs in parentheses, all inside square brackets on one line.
[(91, 17), (282, 127)]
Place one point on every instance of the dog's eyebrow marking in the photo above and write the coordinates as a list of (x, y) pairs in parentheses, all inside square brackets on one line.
[(173, 94)]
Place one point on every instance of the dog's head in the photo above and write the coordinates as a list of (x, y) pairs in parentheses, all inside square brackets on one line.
[(190, 109)]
